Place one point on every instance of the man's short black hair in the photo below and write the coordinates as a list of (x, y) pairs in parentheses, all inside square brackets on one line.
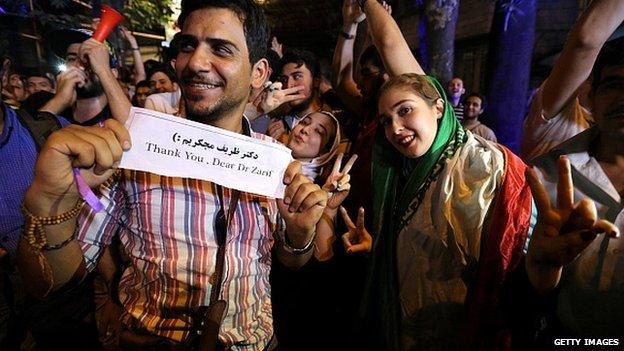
[(43, 73), (143, 84), (612, 54), (300, 58), (251, 15), (475, 94), (370, 54), (274, 63), (171, 52), (165, 69)]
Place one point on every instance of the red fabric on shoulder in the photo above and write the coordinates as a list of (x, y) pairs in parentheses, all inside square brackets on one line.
[(500, 254)]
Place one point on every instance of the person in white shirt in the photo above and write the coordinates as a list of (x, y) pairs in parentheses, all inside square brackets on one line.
[(555, 114), (474, 105), (585, 266), (167, 94)]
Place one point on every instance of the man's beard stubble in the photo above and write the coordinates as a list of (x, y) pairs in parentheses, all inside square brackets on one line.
[(302, 106), (209, 115), (92, 88)]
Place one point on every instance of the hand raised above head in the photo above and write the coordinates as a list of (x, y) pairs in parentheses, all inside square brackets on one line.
[(129, 37), (351, 12), (277, 47)]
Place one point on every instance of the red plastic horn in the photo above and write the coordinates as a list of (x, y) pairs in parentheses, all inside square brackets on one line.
[(110, 18)]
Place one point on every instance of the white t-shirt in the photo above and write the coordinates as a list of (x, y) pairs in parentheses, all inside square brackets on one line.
[(483, 131), (591, 297), (164, 102), (540, 135)]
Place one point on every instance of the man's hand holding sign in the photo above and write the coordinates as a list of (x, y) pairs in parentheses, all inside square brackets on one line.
[(176, 147), (98, 151)]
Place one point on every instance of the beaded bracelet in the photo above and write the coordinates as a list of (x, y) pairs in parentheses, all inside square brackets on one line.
[(35, 232)]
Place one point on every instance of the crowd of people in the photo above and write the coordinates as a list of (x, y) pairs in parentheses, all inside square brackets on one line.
[(445, 239)]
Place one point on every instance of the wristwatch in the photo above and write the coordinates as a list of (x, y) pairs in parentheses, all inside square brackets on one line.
[(346, 35)]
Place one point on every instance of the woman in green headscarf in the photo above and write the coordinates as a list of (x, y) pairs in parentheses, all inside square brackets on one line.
[(451, 216)]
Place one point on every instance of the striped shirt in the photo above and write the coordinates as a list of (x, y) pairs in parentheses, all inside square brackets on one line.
[(166, 225)]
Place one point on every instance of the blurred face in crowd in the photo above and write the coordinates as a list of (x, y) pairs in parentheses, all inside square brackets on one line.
[(472, 107), (409, 122), (293, 76), (92, 86), (36, 84), (17, 87), (213, 66), (608, 101), (371, 79), (456, 88), (311, 136), (161, 83), (141, 95)]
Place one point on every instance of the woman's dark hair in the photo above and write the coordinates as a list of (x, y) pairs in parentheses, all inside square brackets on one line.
[(143, 84), (165, 69), (370, 54), (251, 15), (612, 54)]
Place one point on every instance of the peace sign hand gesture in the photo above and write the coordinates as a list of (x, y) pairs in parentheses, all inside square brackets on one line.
[(562, 232), (337, 184), (357, 239), (274, 96)]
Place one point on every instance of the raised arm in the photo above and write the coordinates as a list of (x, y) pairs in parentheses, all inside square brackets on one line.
[(139, 68), (389, 40), (579, 54), (97, 54), (343, 62)]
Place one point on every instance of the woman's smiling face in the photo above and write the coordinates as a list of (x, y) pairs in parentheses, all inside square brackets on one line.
[(409, 122)]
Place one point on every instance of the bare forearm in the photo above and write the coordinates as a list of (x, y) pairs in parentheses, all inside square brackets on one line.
[(55, 106), (63, 262), (291, 260), (325, 236), (389, 40), (342, 64), (139, 68), (579, 54), (117, 99), (294, 260), (544, 278)]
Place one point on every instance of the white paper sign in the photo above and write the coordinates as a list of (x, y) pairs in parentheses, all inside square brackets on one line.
[(176, 147)]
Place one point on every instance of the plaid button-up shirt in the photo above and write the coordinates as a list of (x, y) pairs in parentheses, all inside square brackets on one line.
[(166, 225)]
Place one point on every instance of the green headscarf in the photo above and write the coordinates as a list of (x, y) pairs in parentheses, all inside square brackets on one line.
[(393, 192)]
